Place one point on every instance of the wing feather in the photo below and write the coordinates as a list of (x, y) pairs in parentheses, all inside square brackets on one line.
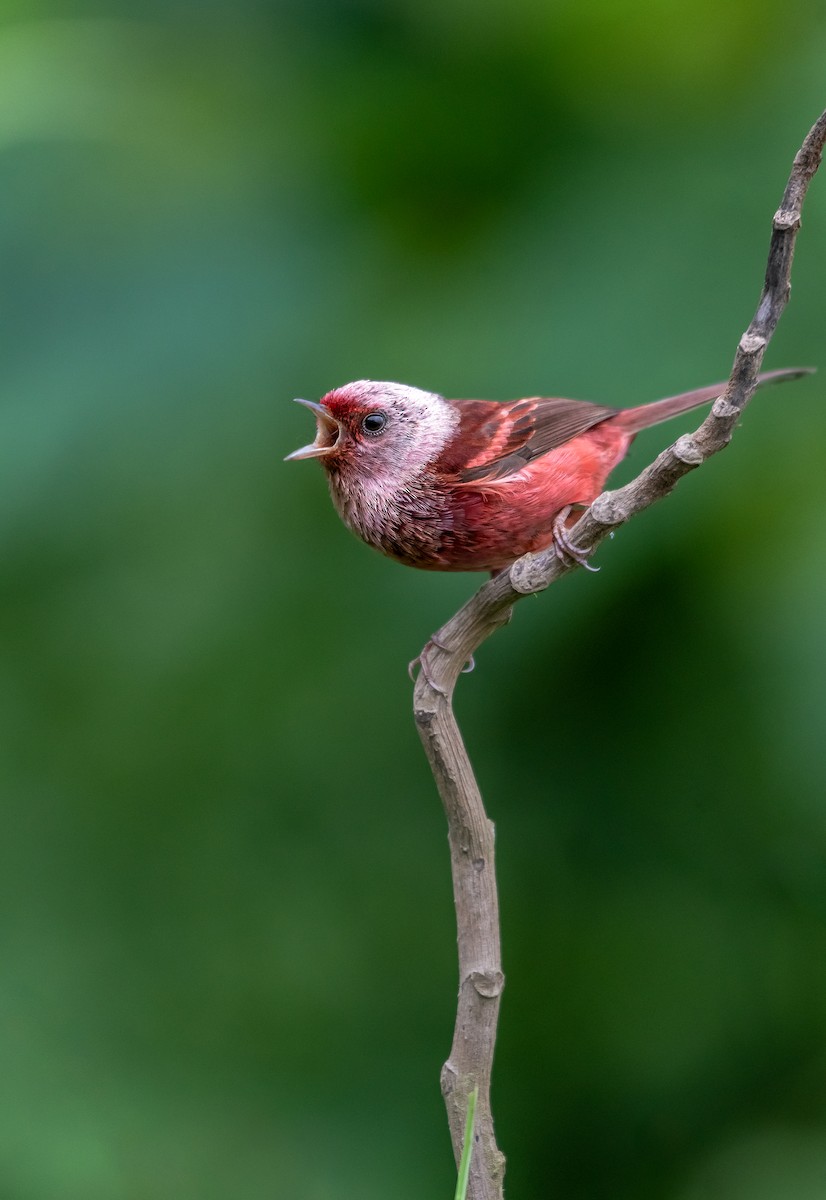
[(496, 440)]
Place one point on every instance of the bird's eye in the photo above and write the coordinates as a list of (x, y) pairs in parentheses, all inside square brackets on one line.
[(374, 422)]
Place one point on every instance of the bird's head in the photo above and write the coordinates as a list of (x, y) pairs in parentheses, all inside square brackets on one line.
[(378, 430)]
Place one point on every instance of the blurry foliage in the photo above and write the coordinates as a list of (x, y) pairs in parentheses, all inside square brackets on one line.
[(228, 961)]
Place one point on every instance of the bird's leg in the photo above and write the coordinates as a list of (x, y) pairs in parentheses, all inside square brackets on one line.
[(564, 548)]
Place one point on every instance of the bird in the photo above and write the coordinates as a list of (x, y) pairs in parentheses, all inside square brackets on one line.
[(472, 485)]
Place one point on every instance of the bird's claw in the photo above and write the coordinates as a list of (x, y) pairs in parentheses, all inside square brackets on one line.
[(421, 662), (566, 550)]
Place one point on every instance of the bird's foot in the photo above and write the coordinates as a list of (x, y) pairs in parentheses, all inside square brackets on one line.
[(421, 663), (566, 550)]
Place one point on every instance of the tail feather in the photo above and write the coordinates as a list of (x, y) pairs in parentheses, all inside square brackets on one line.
[(635, 419)]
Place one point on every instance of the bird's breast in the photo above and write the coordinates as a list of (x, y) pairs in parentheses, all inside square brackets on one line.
[(437, 523)]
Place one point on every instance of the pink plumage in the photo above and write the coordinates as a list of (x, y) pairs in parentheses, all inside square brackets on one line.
[(471, 485)]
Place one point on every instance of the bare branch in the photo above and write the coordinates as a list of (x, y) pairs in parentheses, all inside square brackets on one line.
[(470, 832)]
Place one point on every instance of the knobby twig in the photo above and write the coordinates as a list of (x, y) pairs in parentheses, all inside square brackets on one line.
[(470, 833)]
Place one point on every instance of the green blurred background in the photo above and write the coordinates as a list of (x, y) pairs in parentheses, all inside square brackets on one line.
[(228, 959)]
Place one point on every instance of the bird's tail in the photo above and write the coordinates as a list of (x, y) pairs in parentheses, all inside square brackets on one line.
[(635, 419)]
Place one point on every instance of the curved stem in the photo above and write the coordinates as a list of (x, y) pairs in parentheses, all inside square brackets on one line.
[(470, 833)]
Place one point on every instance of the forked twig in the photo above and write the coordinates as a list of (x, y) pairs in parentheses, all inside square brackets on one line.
[(470, 832)]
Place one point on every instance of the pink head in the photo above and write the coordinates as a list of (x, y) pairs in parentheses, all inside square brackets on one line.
[(378, 430)]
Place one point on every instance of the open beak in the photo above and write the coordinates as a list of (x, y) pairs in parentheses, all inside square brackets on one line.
[(327, 433)]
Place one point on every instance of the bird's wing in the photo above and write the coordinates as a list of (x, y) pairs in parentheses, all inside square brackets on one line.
[(495, 440)]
